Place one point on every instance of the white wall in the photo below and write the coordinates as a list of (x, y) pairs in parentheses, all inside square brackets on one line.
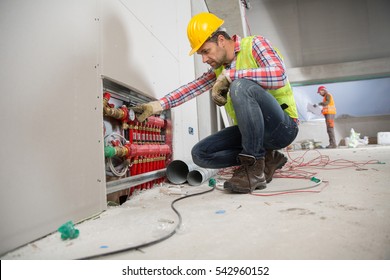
[(352, 98), (53, 56), (52, 162)]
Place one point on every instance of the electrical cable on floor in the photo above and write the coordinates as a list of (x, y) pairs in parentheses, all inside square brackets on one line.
[(147, 244), (294, 170), (291, 191), (323, 162)]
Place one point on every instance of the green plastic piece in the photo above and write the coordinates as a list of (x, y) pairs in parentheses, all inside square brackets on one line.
[(68, 231), (212, 182), (314, 179), (109, 151)]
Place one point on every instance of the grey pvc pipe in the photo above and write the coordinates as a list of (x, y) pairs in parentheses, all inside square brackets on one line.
[(177, 171), (200, 175)]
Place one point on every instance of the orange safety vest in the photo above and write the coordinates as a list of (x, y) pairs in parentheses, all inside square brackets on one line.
[(329, 109)]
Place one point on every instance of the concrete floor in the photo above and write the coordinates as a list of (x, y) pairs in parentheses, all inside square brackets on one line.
[(347, 218)]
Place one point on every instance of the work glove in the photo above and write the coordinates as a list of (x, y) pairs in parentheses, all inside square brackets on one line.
[(147, 109), (220, 90)]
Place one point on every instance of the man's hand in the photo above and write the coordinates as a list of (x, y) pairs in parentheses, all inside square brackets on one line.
[(220, 90), (147, 109)]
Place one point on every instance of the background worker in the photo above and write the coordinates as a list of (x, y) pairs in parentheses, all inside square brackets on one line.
[(329, 112), (260, 102)]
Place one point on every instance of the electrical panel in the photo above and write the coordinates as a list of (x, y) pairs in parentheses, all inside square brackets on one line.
[(136, 153)]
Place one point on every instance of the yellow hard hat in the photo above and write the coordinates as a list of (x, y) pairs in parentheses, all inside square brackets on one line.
[(200, 28)]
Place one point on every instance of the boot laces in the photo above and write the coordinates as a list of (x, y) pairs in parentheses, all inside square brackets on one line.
[(239, 170)]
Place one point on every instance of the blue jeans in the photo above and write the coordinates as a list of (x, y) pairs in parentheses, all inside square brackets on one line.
[(262, 125)]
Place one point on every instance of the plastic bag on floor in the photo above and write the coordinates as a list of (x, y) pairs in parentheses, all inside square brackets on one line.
[(355, 140)]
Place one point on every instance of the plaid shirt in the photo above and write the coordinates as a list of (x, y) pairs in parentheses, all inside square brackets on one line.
[(270, 74)]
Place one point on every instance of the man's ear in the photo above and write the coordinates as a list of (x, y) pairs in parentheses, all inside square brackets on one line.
[(221, 40)]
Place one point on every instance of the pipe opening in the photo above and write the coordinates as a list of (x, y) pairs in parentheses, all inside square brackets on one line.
[(195, 178), (177, 172)]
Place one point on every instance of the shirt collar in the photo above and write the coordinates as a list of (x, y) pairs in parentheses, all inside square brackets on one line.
[(237, 43)]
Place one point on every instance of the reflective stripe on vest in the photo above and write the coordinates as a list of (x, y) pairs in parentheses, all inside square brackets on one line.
[(330, 109), (245, 60)]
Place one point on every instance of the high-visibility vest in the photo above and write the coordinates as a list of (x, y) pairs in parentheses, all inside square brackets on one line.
[(329, 109), (245, 60)]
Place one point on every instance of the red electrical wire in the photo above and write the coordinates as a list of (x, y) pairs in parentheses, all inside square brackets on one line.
[(295, 169)]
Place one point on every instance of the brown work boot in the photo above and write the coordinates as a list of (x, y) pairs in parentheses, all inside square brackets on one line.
[(273, 160), (248, 177)]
